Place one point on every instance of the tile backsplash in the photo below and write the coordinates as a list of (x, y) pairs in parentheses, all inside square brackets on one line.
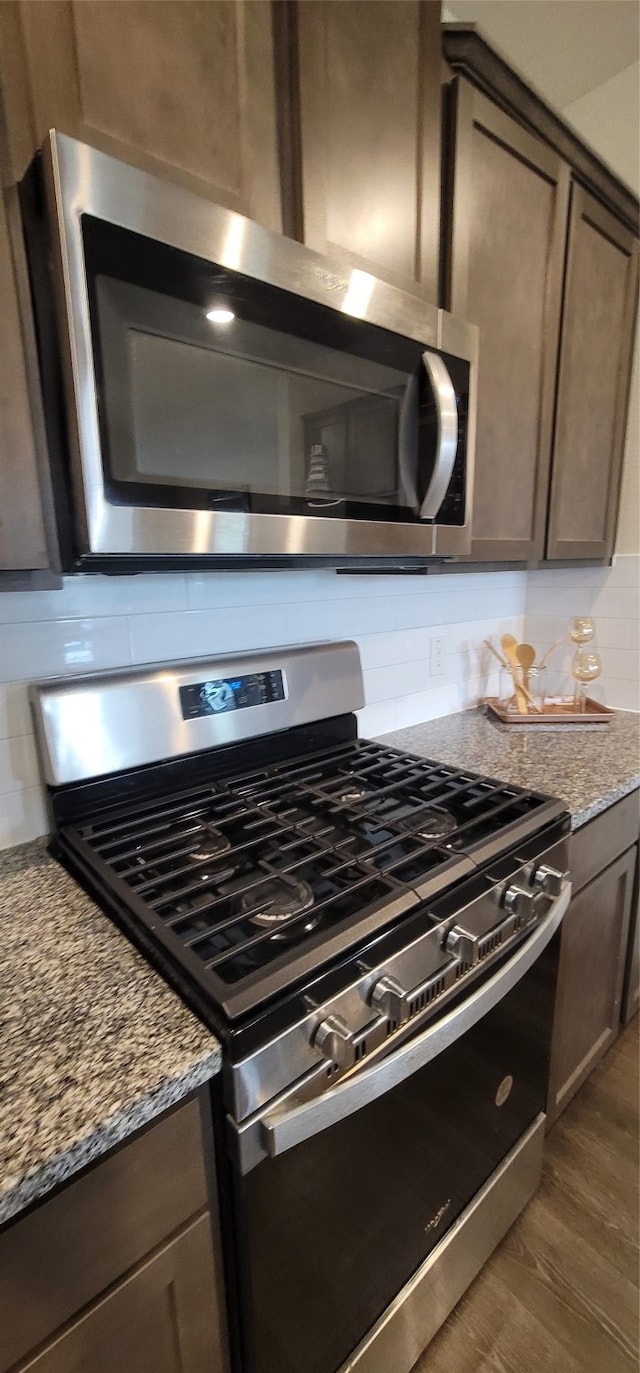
[(612, 596), (103, 622), (98, 622)]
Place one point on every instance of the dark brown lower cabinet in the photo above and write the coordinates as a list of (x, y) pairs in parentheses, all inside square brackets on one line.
[(592, 959), (159, 1320), (631, 991), (120, 1272)]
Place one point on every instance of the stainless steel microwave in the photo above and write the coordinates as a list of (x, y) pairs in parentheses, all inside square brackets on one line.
[(216, 393)]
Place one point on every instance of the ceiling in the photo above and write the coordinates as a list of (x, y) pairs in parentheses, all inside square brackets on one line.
[(564, 48)]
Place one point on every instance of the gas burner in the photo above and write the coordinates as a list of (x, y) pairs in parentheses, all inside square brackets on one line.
[(435, 824), (212, 845), (351, 793), (280, 900)]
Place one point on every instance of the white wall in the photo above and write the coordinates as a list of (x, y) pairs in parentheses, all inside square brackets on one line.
[(563, 48), (608, 117), (612, 596), (102, 622)]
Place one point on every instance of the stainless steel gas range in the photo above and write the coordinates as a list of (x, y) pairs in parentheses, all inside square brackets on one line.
[(372, 935)]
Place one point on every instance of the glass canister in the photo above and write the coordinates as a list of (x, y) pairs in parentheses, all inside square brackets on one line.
[(522, 691)]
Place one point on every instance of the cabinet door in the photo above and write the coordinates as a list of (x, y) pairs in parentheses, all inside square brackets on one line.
[(24, 540), (631, 992), (592, 955), (368, 134), (160, 1320), (181, 87), (593, 384), (59, 1259), (504, 265)]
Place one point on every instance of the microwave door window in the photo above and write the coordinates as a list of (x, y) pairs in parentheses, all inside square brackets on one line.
[(241, 408), (201, 419), (274, 404), (207, 419)]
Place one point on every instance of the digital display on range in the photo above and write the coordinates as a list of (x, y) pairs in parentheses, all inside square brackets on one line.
[(222, 694)]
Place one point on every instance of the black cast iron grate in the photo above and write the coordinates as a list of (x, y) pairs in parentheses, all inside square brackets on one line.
[(238, 874)]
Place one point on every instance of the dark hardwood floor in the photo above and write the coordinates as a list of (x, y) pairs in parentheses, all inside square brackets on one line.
[(560, 1294)]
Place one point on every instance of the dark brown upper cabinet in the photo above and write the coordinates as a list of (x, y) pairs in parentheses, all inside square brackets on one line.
[(540, 249), (593, 382), (185, 89), (468, 54), (360, 93), (27, 541), (508, 214)]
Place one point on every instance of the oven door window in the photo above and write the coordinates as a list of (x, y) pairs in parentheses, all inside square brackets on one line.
[(219, 391)]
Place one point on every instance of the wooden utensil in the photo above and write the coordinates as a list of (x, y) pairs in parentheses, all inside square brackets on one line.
[(509, 646), (526, 656), (502, 661)]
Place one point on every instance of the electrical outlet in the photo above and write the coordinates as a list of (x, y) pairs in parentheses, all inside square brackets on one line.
[(437, 654)]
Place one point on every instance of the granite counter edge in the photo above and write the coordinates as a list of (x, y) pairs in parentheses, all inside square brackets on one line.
[(609, 798), (20, 1194)]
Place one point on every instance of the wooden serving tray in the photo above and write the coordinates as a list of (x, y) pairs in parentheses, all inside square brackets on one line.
[(554, 713)]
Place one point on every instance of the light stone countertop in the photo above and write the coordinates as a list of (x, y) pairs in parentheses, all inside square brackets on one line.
[(588, 767), (94, 1044)]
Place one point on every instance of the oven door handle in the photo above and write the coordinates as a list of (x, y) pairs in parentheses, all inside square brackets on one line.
[(283, 1129)]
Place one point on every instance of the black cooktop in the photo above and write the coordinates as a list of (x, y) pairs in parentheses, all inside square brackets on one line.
[(249, 880)]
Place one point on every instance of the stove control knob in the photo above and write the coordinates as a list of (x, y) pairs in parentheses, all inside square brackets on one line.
[(388, 997), (462, 945), (335, 1041), (519, 901), (548, 880)]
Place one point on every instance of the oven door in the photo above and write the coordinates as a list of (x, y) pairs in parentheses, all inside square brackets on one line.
[(361, 1184), (235, 394)]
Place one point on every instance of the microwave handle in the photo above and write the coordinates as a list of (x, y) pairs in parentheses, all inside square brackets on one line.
[(447, 441), (282, 1130)]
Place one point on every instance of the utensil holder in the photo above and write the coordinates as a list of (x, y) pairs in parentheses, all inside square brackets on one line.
[(526, 686)]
